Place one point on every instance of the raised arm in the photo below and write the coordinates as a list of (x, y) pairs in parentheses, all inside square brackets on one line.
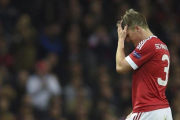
[(122, 66)]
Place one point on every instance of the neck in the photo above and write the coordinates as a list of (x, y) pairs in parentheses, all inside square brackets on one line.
[(146, 34)]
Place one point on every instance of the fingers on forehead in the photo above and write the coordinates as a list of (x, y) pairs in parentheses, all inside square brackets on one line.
[(119, 23), (126, 27)]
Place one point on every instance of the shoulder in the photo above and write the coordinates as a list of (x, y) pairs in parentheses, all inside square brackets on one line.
[(33, 78), (148, 43), (52, 78)]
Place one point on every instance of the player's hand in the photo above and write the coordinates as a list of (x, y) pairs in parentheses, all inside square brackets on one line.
[(121, 33)]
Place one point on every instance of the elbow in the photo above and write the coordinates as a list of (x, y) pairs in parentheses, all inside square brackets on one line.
[(120, 70)]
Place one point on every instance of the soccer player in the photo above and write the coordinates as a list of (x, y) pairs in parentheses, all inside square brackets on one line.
[(150, 61)]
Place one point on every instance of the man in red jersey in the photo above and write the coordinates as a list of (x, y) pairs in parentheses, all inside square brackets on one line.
[(150, 61)]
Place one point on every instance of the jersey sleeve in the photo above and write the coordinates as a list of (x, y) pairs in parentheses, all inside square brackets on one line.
[(142, 53)]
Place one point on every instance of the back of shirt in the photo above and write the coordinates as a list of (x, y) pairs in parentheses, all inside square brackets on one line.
[(150, 61)]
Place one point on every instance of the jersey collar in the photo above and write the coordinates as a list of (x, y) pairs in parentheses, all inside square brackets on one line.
[(151, 36)]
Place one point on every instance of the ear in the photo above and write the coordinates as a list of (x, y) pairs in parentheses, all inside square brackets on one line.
[(137, 28)]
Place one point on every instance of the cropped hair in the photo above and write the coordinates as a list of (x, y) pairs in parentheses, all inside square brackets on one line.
[(133, 18)]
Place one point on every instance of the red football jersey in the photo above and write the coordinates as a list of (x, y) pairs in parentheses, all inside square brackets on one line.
[(150, 61)]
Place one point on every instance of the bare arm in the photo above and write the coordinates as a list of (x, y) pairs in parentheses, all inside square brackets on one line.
[(122, 66)]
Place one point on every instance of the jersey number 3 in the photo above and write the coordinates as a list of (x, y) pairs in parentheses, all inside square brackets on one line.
[(166, 70)]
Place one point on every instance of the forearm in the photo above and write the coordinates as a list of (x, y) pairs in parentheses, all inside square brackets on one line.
[(120, 55), (122, 66)]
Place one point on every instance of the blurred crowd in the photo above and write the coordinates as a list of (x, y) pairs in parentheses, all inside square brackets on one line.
[(57, 58)]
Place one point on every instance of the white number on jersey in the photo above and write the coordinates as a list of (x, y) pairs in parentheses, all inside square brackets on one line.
[(166, 70)]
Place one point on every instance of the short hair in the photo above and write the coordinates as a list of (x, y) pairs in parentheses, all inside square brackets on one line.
[(133, 18)]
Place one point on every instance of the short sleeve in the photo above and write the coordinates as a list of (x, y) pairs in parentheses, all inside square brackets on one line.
[(142, 53)]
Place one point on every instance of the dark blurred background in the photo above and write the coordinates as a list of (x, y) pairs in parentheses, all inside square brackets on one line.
[(57, 58)]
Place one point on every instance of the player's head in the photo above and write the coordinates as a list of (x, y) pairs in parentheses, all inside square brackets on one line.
[(136, 25), (132, 19)]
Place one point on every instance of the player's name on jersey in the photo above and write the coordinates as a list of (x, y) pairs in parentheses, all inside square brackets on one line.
[(161, 46)]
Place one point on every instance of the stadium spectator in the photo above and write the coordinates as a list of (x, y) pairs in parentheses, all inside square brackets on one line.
[(42, 85)]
